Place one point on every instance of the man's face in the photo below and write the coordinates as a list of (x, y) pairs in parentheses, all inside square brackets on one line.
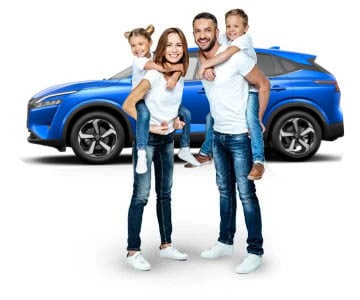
[(205, 34)]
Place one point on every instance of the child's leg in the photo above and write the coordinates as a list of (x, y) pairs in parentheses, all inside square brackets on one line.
[(185, 116), (206, 147), (142, 134), (142, 125), (184, 152), (256, 136)]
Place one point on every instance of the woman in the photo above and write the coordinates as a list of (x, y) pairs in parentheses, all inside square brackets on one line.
[(163, 105)]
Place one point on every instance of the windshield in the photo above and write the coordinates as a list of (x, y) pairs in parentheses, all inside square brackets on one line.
[(122, 74)]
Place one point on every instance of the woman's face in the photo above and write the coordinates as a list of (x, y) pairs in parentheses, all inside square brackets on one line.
[(140, 46), (174, 48)]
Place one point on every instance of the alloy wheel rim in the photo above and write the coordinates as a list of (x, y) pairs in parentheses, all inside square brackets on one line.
[(97, 138)]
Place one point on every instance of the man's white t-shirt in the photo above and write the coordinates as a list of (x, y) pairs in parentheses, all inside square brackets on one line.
[(138, 71), (228, 93), (163, 103)]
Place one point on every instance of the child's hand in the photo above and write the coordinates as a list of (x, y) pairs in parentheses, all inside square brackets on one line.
[(209, 74), (263, 128), (170, 83), (178, 124), (200, 73), (159, 129)]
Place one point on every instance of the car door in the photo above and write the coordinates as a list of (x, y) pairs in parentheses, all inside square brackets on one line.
[(281, 85)]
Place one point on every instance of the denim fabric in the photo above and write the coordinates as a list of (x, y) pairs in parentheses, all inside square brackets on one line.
[(206, 147), (185, 116), (233, 161), (256, 136), (142, 124), (160, 150)]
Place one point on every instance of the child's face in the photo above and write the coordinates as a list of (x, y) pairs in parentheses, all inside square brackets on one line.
[(235, 27), (140, 46)]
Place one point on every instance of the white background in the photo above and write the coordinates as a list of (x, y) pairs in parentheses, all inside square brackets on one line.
[(63, 224)]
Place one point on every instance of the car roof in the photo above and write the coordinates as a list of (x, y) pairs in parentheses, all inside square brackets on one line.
[(298, 57)]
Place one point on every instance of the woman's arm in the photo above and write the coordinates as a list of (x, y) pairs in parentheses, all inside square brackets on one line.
[(138, 93)]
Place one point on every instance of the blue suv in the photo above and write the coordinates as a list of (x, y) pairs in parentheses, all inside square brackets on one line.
[(304, 108)]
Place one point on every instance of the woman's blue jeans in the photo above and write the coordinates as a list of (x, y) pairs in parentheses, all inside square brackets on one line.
[(233, 162), (160, 150)]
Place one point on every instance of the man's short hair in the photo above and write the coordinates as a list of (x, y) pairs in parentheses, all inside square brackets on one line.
[(206, 15)]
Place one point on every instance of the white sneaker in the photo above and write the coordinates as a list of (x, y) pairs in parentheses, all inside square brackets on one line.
[(138, 262), (141, 166), (249, 264), (219, 249), (173, 253), (186, 155)]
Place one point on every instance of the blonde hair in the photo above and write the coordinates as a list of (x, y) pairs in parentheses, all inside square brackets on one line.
[(145, 32), (238, 12)]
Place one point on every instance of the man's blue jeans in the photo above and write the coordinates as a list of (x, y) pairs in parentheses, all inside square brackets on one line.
[(256, 136), (233, 162), (255, 130), (143, 120), (160, 150)]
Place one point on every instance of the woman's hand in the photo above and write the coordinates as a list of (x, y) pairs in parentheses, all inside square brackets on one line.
[(159, 129), (178, 124)]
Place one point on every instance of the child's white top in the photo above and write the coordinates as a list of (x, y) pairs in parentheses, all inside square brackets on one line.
[(138, 71), (245, 44)]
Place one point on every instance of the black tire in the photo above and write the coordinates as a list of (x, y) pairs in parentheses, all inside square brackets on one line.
[(296, 136), (97, 137)]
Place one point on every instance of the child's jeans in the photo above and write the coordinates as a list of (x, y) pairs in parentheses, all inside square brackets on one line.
[(256, 136)]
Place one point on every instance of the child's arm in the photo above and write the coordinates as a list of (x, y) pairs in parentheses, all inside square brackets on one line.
[(173, 79), (151, 65), (218, 59), (176, 69), (136, 94)]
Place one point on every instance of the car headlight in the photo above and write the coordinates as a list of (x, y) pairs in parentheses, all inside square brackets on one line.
[(46, 101)]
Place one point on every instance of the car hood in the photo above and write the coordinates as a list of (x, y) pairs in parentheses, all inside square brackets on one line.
[(77, 86)]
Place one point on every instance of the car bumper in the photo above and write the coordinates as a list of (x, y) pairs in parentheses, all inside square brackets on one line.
[(34, 139), (333, 131)]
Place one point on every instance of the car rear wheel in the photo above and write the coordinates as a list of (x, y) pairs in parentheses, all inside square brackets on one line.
[(97, 137), (296, 135)]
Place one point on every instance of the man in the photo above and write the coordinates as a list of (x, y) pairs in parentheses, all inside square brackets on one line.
[(228, 94)]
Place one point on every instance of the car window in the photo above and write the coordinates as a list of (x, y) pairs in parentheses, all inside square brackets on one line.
[(123, 74), (273, 65), (193, 64)]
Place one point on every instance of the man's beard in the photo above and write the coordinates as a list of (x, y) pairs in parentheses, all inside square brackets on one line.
[(210, 46)]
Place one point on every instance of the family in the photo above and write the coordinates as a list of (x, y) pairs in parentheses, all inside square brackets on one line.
[(238, 94)]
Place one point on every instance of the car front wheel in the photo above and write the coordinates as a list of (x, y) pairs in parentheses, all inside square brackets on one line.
[(97, 137), (296, 135)]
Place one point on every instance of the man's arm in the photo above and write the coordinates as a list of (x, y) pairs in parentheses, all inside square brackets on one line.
[(258, 78), (136, 94)]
